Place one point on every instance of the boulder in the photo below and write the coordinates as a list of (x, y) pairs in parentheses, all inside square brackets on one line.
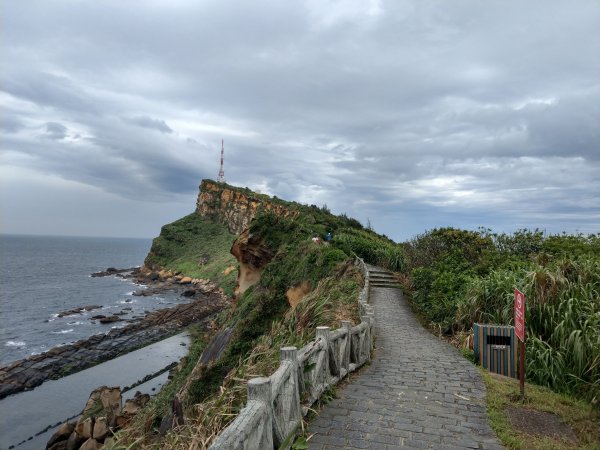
[(133, 405), (62, 434), (90, 444), (185, 280), (188, 293), (111, 402), (110, 319), (153, 276), (60, 445), (91, 307), (84, 428), (100, 429), (74, 441)]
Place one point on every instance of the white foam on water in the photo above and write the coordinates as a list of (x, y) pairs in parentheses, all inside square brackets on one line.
[(70, 330), (15, 344)]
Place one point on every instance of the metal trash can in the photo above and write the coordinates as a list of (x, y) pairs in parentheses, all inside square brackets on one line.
[(495, 348)]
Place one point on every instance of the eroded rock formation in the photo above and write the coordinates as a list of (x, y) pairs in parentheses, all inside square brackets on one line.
[(253, 255), (234, 207)]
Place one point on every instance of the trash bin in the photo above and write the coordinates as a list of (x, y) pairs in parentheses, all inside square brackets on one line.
[(495, 348)]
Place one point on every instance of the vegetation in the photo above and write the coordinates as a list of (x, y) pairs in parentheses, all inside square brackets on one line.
[(196, 247), (503, 397), (457, 278), (262, 318)]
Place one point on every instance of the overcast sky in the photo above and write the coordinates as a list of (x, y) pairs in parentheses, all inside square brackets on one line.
[(408, 114)]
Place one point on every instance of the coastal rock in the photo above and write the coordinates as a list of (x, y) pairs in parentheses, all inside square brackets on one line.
[(185, 280), (133, 405), (110, 319), (62, 434), (61, 445), (111, 403), (100, 429), (112, 271), (84, 428), (188, 293), (234, 208), (78, 310), (90, 444), (60, 361), (74, 441)]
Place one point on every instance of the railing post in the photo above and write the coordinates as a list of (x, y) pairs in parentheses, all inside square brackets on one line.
[(346, 362), (259, 389), (366, 345), (323, 333), (291, 354)]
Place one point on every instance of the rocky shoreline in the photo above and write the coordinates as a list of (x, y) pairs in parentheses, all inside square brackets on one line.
[(206, 299)]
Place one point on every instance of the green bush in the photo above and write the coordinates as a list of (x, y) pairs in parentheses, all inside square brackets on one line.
[(462, 280)]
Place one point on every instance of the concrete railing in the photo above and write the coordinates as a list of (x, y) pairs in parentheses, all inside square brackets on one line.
[(276, 404)]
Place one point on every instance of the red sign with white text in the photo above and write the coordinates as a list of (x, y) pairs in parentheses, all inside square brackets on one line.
[(520, 315)]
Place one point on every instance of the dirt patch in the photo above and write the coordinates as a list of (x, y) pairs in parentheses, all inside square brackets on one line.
[(228, 270), (539, 423), (296, 294), (247, 276)]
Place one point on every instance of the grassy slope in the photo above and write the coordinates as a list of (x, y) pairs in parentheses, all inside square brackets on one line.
[(262, 318), (195, 247)]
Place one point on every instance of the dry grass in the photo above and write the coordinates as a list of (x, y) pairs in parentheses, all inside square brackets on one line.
[(334, 299)]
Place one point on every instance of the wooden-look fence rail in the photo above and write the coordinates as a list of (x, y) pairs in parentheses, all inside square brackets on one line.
[(276, 404)]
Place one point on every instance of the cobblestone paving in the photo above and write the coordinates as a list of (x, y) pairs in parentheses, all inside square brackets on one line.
[(417, 393)]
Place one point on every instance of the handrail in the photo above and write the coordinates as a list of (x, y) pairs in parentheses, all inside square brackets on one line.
[(277, 403)]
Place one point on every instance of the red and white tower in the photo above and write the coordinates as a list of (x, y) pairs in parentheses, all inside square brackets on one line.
[(221, 178)]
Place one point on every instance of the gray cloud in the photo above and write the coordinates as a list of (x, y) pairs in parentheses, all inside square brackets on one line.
[(56, 130), (413, 114), (155, 124)]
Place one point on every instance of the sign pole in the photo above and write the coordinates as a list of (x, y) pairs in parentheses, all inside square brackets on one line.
[(522, 368), (520, 333)]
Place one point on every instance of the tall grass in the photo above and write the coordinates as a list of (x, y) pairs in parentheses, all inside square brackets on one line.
[(374, 249), (562, 320), (458, 279)]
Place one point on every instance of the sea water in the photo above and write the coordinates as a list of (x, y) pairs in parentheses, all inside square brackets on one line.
[(41, 276)]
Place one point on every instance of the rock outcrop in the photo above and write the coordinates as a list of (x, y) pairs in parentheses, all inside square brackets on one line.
[(60, 361), (253, 255), (101, 417), (234, 207)]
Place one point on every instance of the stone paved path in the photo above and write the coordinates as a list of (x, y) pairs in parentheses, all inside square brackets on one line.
[(417, 393)]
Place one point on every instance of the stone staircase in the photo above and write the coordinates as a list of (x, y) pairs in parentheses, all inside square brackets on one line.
[(382, 278)]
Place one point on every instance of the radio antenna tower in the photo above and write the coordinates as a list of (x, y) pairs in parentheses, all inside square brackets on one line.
[(221, 178)]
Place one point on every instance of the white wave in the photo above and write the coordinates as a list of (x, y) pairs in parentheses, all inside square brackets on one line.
[(75, 323), (70, 330), (15, 344)]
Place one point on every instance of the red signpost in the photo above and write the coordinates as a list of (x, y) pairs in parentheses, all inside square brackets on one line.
[(520, 332)]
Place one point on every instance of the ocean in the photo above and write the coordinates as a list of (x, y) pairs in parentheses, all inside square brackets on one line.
[(41, 276)]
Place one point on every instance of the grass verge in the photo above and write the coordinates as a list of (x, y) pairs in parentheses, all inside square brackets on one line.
[(503, 398)]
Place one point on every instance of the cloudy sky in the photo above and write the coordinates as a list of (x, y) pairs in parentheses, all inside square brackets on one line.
[(407, 114)]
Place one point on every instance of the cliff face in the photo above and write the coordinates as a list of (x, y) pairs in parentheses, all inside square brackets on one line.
[(233, 207)]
